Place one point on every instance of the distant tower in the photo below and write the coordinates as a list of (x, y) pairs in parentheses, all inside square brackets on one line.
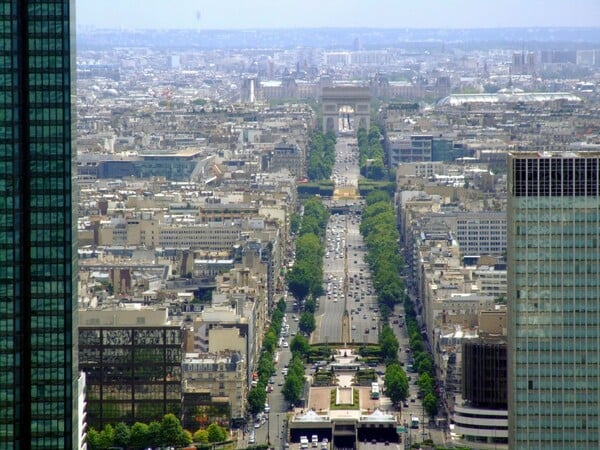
[(175, 62)]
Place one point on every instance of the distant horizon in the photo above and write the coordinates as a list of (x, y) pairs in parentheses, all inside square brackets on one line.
[(317, 14), (550, 27), (341, 38)]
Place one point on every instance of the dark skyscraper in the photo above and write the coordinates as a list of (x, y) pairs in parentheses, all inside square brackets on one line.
[(38, 302), (554, 300)]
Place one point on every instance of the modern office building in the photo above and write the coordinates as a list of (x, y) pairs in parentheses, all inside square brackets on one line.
[(131, 356), (484, 372), (38, 300), (554, 300)]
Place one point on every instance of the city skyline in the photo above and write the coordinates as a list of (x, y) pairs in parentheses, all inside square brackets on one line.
[(233, 14)]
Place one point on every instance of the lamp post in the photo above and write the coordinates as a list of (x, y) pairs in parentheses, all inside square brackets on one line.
[(268, 429), (278, 439)]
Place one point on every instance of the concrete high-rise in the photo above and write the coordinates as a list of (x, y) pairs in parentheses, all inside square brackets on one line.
[(554, 300), (38, 303)]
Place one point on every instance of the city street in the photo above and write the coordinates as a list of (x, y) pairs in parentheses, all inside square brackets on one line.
[(347, 285), (345, 254), (414, 406), (272, 430)]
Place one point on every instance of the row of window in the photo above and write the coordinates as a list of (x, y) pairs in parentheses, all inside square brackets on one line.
[(555, 177), (128, 337)]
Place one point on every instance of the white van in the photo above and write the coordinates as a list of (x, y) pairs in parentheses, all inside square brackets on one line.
[(315, 440), (303, 442)]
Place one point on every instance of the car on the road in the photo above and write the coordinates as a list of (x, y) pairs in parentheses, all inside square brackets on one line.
[(257, 425)]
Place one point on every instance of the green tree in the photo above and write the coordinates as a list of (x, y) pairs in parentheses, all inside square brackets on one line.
[(417, 346), (376, 197), (256, 399), (216, 433), (121, 435), (296, 365), (186, 438), (430, 403), (265, 367), (388, 344), (295, 221), (154, 434), (425, 365), (310, 226), (270, 342), (307, 323), (425, 382), (315, 208), (310, 306), (281, 305), (299, 279), (201, 436), (107, 436), (396, 383), (170, 430), (138, 436), (300, 345), (293, 388), (308, 246), (94, 440)]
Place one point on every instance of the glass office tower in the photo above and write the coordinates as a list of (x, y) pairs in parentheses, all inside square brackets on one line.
[(554, 301), (38, 303)]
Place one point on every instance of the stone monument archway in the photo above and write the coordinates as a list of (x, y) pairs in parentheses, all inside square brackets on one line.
[(356, 98)]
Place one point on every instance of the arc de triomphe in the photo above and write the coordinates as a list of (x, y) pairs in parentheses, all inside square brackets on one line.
[(357, 97)]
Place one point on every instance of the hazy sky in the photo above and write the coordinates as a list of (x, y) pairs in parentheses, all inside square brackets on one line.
[(234, 14)]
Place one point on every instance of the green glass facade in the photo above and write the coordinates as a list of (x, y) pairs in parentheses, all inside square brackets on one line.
[(554, 301), (38, 364)]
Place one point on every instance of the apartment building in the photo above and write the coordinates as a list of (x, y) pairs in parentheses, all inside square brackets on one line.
[(217, 380)]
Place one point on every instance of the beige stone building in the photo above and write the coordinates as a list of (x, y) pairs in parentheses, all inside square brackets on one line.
[(214, 379)]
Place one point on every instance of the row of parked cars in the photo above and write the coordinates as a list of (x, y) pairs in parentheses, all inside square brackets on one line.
[(314, 441)]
